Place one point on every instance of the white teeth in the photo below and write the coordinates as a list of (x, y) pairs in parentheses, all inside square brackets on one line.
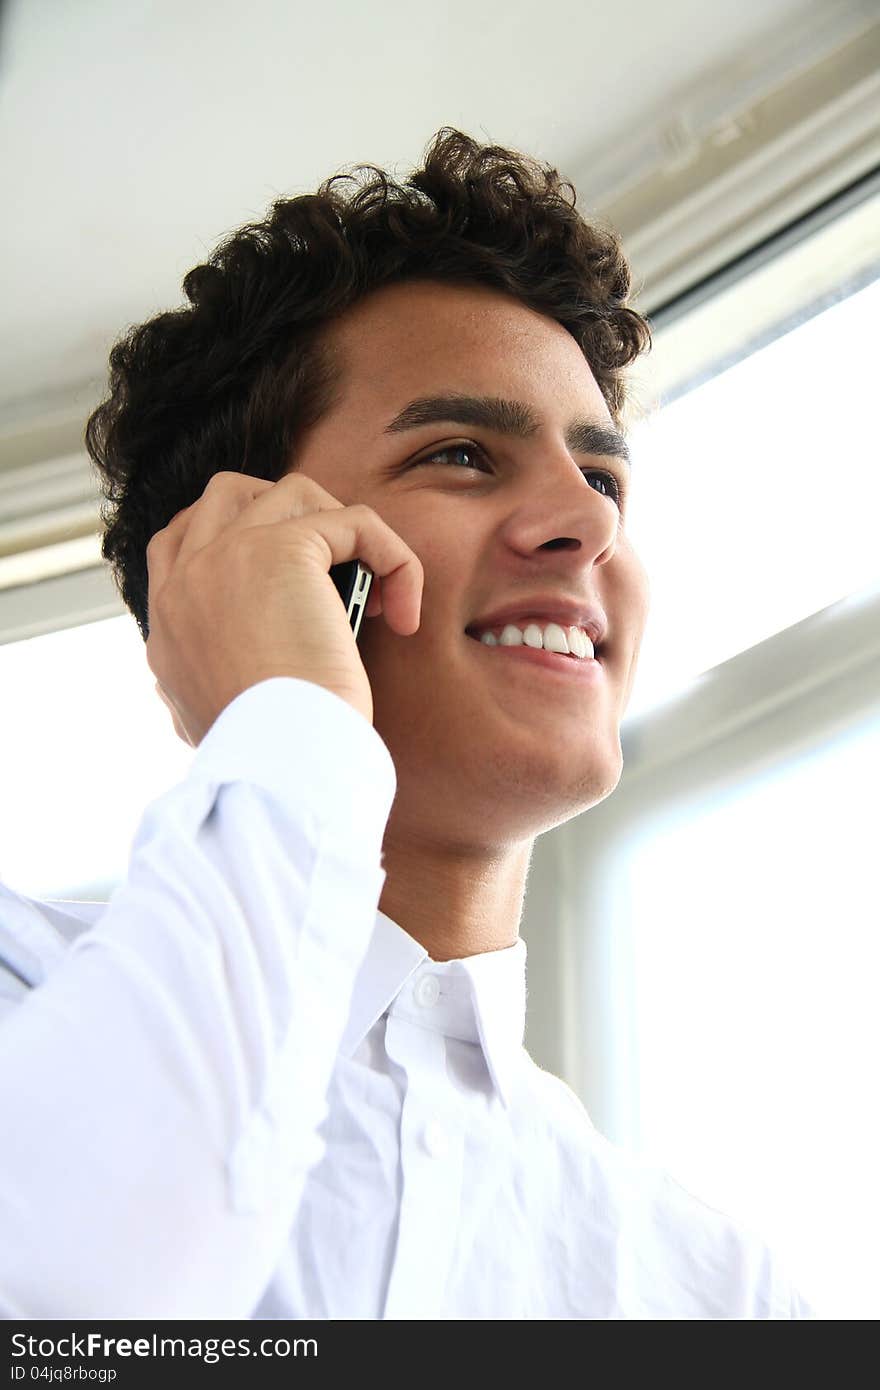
[(579, 642), (553, 638)]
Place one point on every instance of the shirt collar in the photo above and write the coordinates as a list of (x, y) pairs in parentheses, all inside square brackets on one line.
[(482, 998)]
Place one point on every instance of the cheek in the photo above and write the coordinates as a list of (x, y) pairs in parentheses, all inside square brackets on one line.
[(430, 529), (443, 546), (630, 588), (642, 597)]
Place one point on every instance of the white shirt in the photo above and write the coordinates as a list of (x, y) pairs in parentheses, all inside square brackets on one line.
[(239, 1090)]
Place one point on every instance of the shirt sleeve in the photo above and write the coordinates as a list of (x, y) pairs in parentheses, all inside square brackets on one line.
[(162, 1089)]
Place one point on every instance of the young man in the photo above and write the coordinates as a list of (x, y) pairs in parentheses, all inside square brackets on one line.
[(281, 1074)]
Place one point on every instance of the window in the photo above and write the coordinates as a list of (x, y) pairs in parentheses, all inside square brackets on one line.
[(756, 486), (756, 958), (714, 941), (85, 744)]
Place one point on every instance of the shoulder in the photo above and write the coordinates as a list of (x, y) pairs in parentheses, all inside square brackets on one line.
[(555, 1105), (674, 1254), (34, 936)]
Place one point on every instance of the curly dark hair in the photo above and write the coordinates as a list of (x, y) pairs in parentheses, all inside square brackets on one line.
[(234, 378)]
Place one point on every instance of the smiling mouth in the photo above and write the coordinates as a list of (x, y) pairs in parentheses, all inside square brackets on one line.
[(559, 662)]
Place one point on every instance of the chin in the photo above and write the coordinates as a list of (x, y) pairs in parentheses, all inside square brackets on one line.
[(543, 794)]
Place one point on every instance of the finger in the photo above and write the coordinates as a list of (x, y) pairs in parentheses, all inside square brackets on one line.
[(226, 495), (339, 535), (164, 545), (294, 495), (161, 552), (193, 526), (374, 602)]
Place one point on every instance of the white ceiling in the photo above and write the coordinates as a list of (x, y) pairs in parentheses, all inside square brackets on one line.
[(134, 135)]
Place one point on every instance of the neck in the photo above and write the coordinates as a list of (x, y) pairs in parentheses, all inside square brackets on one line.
[(455, 901)]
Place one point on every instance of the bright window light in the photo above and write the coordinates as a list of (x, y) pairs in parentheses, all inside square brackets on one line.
[(755, 497), (85, 745), (748, 920), (756, 953)]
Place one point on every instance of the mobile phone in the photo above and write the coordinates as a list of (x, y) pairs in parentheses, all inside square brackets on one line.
[(353, 582)]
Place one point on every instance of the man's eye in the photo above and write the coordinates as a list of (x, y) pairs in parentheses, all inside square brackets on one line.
[(475, 452), (473, 449), (616, 493)]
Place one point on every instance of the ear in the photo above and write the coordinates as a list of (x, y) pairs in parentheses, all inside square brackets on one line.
[(175, 717)]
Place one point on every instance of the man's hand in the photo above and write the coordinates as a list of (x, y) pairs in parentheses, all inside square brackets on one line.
[(240, 591)]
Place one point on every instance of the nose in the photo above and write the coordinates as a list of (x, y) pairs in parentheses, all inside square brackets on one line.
[(564, 511)]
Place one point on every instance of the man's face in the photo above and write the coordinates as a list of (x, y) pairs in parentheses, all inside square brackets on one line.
[(489, 748)]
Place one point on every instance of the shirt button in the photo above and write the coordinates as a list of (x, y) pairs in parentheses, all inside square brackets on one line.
[(427, 991), (435, 1139)]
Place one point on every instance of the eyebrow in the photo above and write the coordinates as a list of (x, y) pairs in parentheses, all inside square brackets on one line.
[(512, 418)]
